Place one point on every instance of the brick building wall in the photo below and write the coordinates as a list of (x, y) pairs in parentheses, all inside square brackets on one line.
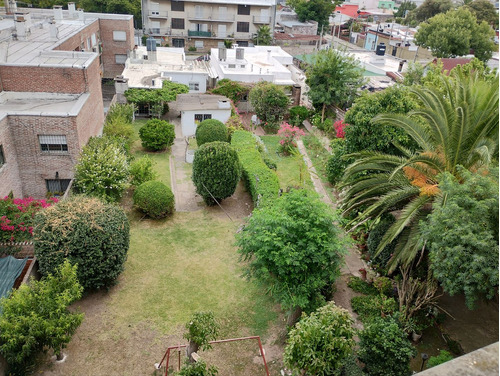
[(80, 39), (112, 47), (9, 172)]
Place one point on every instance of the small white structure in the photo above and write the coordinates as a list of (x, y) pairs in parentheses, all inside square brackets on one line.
[(195, 108), (253, 64)]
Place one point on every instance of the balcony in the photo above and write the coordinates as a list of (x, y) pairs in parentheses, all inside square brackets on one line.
[(212, 17), (157, 14), (262, 20), (157, 31), (205, 34)]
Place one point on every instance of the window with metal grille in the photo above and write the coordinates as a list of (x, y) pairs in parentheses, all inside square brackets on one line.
[(57, 187), (2, 156), (178, 43), (177, 23), (53, 143), (201, 117), (244, 9), (177, 6), (242, 27), (194, 86)]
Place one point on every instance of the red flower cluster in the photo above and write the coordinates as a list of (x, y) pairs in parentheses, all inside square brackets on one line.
[(339, 126), (17, 217), (289, 134)]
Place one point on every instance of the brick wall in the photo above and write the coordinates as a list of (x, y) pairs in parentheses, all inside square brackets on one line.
[(110, 47), (9, 174), (75, 42)]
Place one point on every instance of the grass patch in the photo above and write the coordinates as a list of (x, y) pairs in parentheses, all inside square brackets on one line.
[(318, 154), (292, 171)]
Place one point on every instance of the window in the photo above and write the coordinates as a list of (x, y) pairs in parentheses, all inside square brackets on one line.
[(201, 117), (119, 35), (178, 43), (120, 59), (177, 6), (242, 27), (93, 40), (53, 144), (244, 9), (2, 156), (57, 186), (231, 66), (177, 23), (198, 44), (155, 9), (220, 45), (194, 86), (242, 43), (89, 46), (242, 66)]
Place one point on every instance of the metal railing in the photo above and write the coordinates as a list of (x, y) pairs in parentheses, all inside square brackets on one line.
[(193, 33)]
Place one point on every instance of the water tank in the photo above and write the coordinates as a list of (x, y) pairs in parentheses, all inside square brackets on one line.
[(240, 53), (222, 54), (380, 51), (151, 44)]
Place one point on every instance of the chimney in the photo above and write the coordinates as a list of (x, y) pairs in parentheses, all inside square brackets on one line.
[(72, 10), (10, 6), (81, 14), (151, 48), (54, 32), (58, 13), (21, 22), (121, 85)]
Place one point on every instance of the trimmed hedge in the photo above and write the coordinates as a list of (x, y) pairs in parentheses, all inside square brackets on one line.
[(157, 134), (210, 130), (154, 199), (87, 232), (261, 182)]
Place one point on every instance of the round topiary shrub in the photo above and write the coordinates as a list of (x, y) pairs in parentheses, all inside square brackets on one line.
[(210, 130), (157, 134), (87, 232), (154, 199), (216, 171)]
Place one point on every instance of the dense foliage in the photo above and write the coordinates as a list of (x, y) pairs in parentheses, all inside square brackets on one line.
[(154, 199), (320, 342), (36, 317), (234, 90), (443, 357), (288, 136), (385, 349), (297, 115), (102, 169), (484, 10), (260, 181), (112, 6), (333, 78), (142, 170), (294, 248), (119, 123), (375, 236), (201, 329), (270, 103), (200, 368), (462, 234), (362, 134), (157, 134), (336, 164), (210, 130), (455, 33), (216, 171), (156, 99), (315, 10), (87, 232), (263, 36), (16, 217), (430, 8)]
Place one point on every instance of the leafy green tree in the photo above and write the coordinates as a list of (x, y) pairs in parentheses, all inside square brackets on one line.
[(333, 79), (404, 7), (459, 127), (363, 134), (385, 349), (200, 368), (157, 134), (320, 343), (234, 90), (142, 170), (430, 8), (114, 6), (102, 169), (462, 234), (36, 316), (484, 10), (455, 33), (216, 171), (315, 10), (263, 37), (270, 103), (201, 329), (294, 248)]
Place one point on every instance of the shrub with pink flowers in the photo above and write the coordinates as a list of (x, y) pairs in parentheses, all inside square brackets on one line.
[(288, 136), (16, 217), (339, 126)]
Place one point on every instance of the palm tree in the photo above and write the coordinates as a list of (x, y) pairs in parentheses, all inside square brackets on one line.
[(457, 125)]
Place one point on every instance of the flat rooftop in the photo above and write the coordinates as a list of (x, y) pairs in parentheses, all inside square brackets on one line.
[(41, 104), (186, 102)]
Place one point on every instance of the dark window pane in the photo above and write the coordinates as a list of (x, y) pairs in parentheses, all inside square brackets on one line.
[(243, 27), (207, 116), (2, 156), (178, 6), (244, 9), (177, 23)]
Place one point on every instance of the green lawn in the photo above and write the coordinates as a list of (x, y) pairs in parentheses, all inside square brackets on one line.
[(292, 171)]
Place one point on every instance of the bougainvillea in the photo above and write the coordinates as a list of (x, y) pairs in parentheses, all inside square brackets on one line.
[(339, 126), (16, 217), (288, 136)]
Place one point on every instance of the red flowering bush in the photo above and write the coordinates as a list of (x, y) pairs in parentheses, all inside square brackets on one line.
[(339, 126), (288, 136), (16, 217)]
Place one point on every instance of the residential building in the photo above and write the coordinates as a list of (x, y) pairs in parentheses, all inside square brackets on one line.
[(205, 24), (51, 98)]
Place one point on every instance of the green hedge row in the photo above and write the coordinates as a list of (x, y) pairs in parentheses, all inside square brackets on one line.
[(261, 182)]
